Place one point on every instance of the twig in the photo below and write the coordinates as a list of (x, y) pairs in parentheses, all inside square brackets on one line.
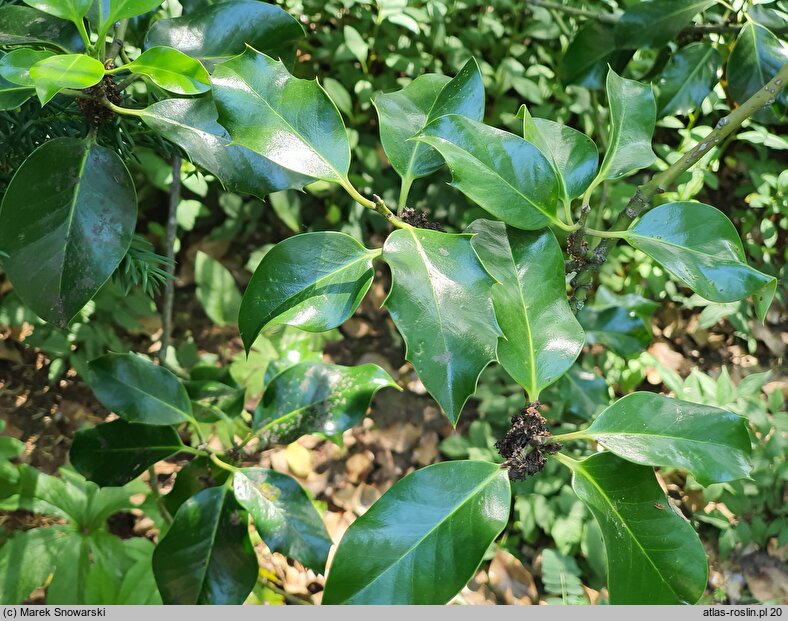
[(169, 242), (154, 491), (610, 18), (117, 41), (660, 182)]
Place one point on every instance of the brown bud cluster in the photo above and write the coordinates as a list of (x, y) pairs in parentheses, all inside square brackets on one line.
[(524, 447)]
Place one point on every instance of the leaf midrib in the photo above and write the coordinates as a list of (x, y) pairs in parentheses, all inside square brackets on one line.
[(407, 552), (534, 392), (596, 433), (212, 541), (637, 236), (426, 262), (71, 210)]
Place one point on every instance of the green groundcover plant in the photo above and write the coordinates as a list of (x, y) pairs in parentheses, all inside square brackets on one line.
[(214, 83)]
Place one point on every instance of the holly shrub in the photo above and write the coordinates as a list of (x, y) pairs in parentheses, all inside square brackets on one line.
[(88, 83)]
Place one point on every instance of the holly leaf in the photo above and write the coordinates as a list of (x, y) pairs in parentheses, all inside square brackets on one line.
[(66, 222), (52, 74), (441, 303), (192, 125), (645, 428), (700, 246), (289, 121), (688, 78), (313, 281), (423, 539), (138, 390), (574, 155), (504, 174), (283, 515), (633, 113), (171, 70), (541, 337), (314, 397), (654, 555), (405, 113), (656, 23), (219, 31), (206, 556), (114, 453)]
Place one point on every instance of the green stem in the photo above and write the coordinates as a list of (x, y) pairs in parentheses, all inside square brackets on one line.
[(119, 109), (154, 491), (117, 40), (83, 33), (606, 234), (568, 212), (567, 461), (566, 437), (223, 464), (125, 83), (407, 181), (377, 205)]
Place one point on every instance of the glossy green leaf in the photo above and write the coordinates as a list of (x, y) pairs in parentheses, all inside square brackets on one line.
[(649, 429), (66, 222), (117, 452), (12, 95), (503, 173), (586, 60), (699, 245), (15, 66), (192, 125), (111, 11), (621, 323), (755, 59), (291, 122), (283, 515), (65, 71), (71, 10), (574, 155), (656, 23), (216, 290), (206, 556), (688, 78), (26, 560), (314, 281), (633, 113), (138, 390), (654, 555), (21, 25), (441, 303), (541, 337), (423, 539), (224, 29), (314, 397), (172, 70), (405, 113)]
